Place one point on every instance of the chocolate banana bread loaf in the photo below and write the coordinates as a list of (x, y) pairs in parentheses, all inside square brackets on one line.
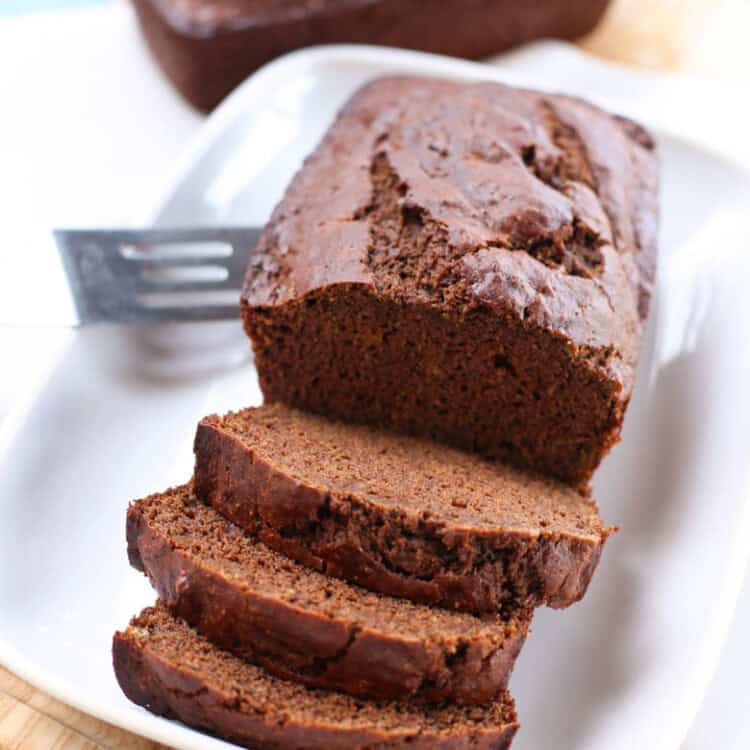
[(471, 262), (207, 47), (398, 515), (164, 665), (303, 626)]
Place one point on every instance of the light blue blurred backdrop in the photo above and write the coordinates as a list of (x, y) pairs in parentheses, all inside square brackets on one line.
[(17, 7)]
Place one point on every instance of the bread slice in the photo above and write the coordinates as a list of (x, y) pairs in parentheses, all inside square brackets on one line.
[(164, 665), (301, 625), (398, 515)]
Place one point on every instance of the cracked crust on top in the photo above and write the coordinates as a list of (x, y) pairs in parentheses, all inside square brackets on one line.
[(471, 262)]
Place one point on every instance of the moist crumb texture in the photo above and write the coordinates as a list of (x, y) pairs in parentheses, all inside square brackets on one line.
[(400, 515), (472, 263), (304, 626), (164, 665)]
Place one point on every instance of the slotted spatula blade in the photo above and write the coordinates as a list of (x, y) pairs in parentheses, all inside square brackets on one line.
[(155, 275)]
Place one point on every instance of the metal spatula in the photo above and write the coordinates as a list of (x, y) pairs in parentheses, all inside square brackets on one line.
[(133, 276)]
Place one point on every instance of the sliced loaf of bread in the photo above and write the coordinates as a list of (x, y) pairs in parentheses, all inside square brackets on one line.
[(163, 664), (402, 516), (301, 625)]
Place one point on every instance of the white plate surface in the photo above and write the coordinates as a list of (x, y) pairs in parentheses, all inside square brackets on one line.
[(113, 417)]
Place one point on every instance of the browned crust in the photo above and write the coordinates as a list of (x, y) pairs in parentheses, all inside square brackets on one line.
[(206, 59), (319, 651), (167, 689), (350, 538), (467, 262)]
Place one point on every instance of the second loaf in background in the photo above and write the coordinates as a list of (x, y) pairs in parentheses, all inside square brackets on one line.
[(207, 47)]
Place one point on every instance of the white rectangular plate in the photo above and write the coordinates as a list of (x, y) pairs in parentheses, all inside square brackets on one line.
[(114, 418)]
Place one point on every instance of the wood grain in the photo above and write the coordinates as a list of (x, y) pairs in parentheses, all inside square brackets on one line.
[(700, 37), (31, 720)]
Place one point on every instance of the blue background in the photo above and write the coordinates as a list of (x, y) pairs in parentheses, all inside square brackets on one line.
[(17, 7)]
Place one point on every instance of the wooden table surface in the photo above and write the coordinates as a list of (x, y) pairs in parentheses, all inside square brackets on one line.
[(700, 37)]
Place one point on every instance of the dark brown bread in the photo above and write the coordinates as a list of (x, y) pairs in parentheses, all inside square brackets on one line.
[(399, 515), (304, 626), (207, 47), (164, 665), (468, 262)]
